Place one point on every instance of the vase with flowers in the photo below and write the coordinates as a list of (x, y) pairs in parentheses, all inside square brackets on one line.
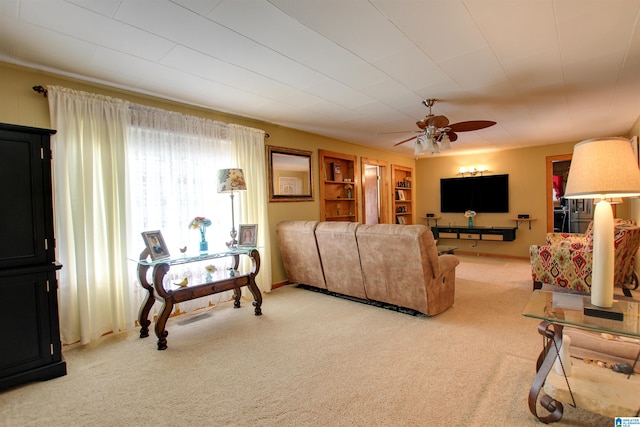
[(470, 215), (201, 223), (348, 187)]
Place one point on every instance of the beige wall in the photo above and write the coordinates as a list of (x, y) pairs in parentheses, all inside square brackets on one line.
[(20, 105), (526, 167)]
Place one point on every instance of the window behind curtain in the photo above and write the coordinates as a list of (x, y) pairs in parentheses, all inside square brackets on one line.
[(172, 165)]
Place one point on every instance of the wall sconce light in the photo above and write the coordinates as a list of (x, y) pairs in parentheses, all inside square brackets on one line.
[(473, 170)]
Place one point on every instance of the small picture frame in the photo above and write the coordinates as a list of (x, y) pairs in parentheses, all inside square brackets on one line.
[(248, 236), (155, 244)]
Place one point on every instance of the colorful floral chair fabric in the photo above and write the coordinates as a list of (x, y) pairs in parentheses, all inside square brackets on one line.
[(566, 260)]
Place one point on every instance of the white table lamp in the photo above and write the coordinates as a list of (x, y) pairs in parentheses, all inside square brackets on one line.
[(600, 169)]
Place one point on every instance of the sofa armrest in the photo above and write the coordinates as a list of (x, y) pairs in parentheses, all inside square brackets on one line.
[(561, 265), (447, 263)]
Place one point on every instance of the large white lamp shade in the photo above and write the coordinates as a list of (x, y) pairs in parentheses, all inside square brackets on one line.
[(603, 168)]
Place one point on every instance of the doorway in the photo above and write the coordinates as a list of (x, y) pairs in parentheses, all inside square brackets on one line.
[(565, 215), (375, 184)]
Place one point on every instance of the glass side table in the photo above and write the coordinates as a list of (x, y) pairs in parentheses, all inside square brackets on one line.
[(593, 388), (156, 289)]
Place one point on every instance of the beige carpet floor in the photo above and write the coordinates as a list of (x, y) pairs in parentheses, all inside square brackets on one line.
[(312, 360)]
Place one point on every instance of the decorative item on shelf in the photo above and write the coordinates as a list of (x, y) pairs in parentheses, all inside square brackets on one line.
[(623, 368), (201, 223), (248, 236), (230, 180), (156, 246), (182, 284), (336, 171), (600, 169), (348, 187), (210, 270), (470, 215), (407, 182)]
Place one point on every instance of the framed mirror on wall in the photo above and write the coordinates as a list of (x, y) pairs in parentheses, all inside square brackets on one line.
[(290, 174)]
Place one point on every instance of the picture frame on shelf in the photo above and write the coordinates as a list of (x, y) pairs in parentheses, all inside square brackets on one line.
[(336, 171), (248, 236), (155, 245)]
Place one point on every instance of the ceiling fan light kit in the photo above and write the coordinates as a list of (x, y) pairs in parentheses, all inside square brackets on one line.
[(437, 134)]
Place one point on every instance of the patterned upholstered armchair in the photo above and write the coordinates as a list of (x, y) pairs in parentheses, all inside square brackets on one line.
[(566, 259)]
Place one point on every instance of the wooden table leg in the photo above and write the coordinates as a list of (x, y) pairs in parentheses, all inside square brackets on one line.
[(159, 272), (145, 308), (255, 291), (161, 331), (257, 296), (553, 334), (143, 316), (237, 294)]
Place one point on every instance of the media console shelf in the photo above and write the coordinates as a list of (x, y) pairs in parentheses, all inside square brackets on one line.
[(502, 234), (519, 220), (429, 218)]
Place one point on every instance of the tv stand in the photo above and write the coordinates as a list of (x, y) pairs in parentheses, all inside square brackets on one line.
[(502, 234)]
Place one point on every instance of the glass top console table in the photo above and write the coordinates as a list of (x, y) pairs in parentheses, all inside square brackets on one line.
[(586, 384), (170, 297)]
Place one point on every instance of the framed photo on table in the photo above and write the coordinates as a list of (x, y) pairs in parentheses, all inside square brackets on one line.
[(248, 235), (155, 244)]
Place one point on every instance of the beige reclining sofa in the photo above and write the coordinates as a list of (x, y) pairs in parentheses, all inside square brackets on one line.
[(384, 263)]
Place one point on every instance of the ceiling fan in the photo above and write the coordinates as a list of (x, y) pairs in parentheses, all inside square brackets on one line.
[(436, 133)]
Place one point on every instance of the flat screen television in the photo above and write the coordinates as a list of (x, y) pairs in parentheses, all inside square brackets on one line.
[(477, 193)]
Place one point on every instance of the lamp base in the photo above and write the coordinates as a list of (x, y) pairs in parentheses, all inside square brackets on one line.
[(613, 313), (603, 256)]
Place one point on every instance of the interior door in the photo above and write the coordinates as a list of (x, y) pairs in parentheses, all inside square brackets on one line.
[(371, 194), (375, 190)]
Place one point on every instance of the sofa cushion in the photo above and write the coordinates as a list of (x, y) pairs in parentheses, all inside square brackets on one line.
[(401, 266), (299, 252), (340, 258)]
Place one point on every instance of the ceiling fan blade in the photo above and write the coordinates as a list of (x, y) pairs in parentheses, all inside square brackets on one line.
[(437, 121), (471, 125), (399, 131), (452, 136), (406, 140)]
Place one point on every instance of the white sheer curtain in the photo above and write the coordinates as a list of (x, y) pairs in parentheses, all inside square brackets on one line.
[(120, 169), (89, 195), (249, 151), (172, 165)]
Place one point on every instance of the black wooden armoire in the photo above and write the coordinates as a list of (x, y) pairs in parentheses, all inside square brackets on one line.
[(30, 346)]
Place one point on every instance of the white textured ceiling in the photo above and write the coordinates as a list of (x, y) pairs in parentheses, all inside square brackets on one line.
[(547, 71)]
